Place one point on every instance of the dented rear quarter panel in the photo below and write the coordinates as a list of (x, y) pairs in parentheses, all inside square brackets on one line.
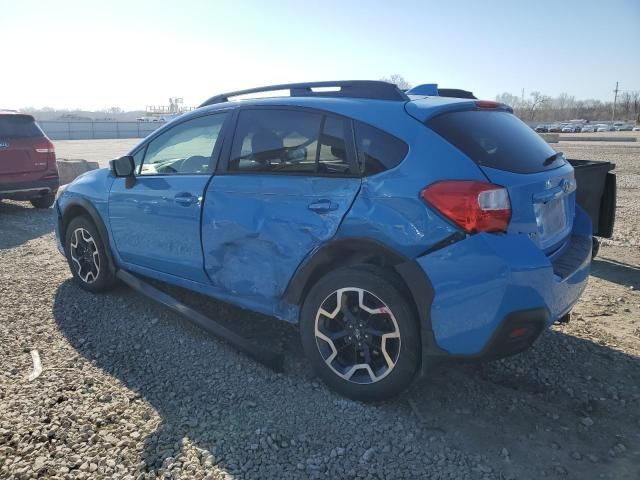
[(389, 208)]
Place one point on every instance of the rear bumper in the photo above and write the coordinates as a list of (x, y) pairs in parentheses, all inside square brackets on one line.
[(486, 285), (29, 190)]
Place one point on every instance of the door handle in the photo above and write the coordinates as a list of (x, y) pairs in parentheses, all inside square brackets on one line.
[(323, 206), (185, 199)]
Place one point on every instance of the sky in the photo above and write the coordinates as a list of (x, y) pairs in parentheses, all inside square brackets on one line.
[(127, 53)]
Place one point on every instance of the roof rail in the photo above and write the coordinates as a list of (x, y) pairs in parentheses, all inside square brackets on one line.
[(371, 89)]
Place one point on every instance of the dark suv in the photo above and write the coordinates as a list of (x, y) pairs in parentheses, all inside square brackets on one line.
[(27, 161)]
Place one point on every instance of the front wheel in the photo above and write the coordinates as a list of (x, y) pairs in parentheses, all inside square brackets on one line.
[(87, 256), (360, 333)]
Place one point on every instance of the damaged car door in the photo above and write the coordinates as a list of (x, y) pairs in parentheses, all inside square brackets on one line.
[(281, 190)]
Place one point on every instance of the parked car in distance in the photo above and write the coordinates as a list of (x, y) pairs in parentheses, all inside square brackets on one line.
[(568, 129), (636, 129), (588, 128), (624, 128), (28, 170), (396, 230), (541, 129), (554, 128), (602, 128)]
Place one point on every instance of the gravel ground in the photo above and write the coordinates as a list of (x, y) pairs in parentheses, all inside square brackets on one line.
[(129, 390)]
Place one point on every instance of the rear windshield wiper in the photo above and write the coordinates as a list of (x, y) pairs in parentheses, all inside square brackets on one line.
[(553, 158)]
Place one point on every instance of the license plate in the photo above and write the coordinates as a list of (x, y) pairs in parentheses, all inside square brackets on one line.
[(552, 217)]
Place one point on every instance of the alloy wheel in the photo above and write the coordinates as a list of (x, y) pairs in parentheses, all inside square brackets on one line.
[(84, 255), (357, 335)]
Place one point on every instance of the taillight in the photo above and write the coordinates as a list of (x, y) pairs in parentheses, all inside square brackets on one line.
[(474, 206), (44, 146)]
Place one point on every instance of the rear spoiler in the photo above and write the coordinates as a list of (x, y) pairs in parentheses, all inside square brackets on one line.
[(432, 90)]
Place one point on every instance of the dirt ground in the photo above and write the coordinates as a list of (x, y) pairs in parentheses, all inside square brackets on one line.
[(129, 390)]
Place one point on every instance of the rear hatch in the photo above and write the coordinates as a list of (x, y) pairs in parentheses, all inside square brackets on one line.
[(20, 138), (539, 180)]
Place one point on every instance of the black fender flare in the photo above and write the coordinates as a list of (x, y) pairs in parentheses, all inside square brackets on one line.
[(75, 205), (355, 250)]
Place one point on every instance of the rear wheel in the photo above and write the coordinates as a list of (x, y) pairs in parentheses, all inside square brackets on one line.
[(360, 333), (87, 257), (43, 202)]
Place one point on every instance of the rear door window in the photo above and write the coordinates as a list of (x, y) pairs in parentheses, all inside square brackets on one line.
[(19, 126), (282, 141), (498, 140), (377, 150)]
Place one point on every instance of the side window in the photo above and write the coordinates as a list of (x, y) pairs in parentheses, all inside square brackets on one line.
[(289, 141), (377, 150), (275, 141), (333, 149), (185, 148)]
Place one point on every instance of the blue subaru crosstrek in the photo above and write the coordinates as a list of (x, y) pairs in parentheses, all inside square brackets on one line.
[(397, 228)]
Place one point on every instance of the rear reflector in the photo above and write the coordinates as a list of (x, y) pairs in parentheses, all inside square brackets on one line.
[(44, 146), (519, 332), (473, 206)]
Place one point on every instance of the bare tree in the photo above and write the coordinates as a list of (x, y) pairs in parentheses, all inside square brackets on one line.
[(625, 104), (537, 102), (635, 100), (561, 102), (398, 80), (512, 100)]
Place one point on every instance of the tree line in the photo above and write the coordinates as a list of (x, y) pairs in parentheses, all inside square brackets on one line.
[(543, 108)]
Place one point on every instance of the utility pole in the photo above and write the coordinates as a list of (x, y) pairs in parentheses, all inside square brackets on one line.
[(615, 98)]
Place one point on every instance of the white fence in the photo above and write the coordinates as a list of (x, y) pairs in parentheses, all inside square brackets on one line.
[(57, 130)]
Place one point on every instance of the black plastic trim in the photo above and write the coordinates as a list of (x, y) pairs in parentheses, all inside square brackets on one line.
[(371, 89), (344, 248), (65, 217), (357, 250)]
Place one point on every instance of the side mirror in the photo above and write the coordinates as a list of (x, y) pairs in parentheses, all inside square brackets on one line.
[(123, 166)]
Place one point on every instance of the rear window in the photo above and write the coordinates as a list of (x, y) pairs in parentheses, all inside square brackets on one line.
[(496, 139), (19, 126)]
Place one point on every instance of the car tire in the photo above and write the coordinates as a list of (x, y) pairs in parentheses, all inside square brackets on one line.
[(87, 256), (43, 202), (377, 328)]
